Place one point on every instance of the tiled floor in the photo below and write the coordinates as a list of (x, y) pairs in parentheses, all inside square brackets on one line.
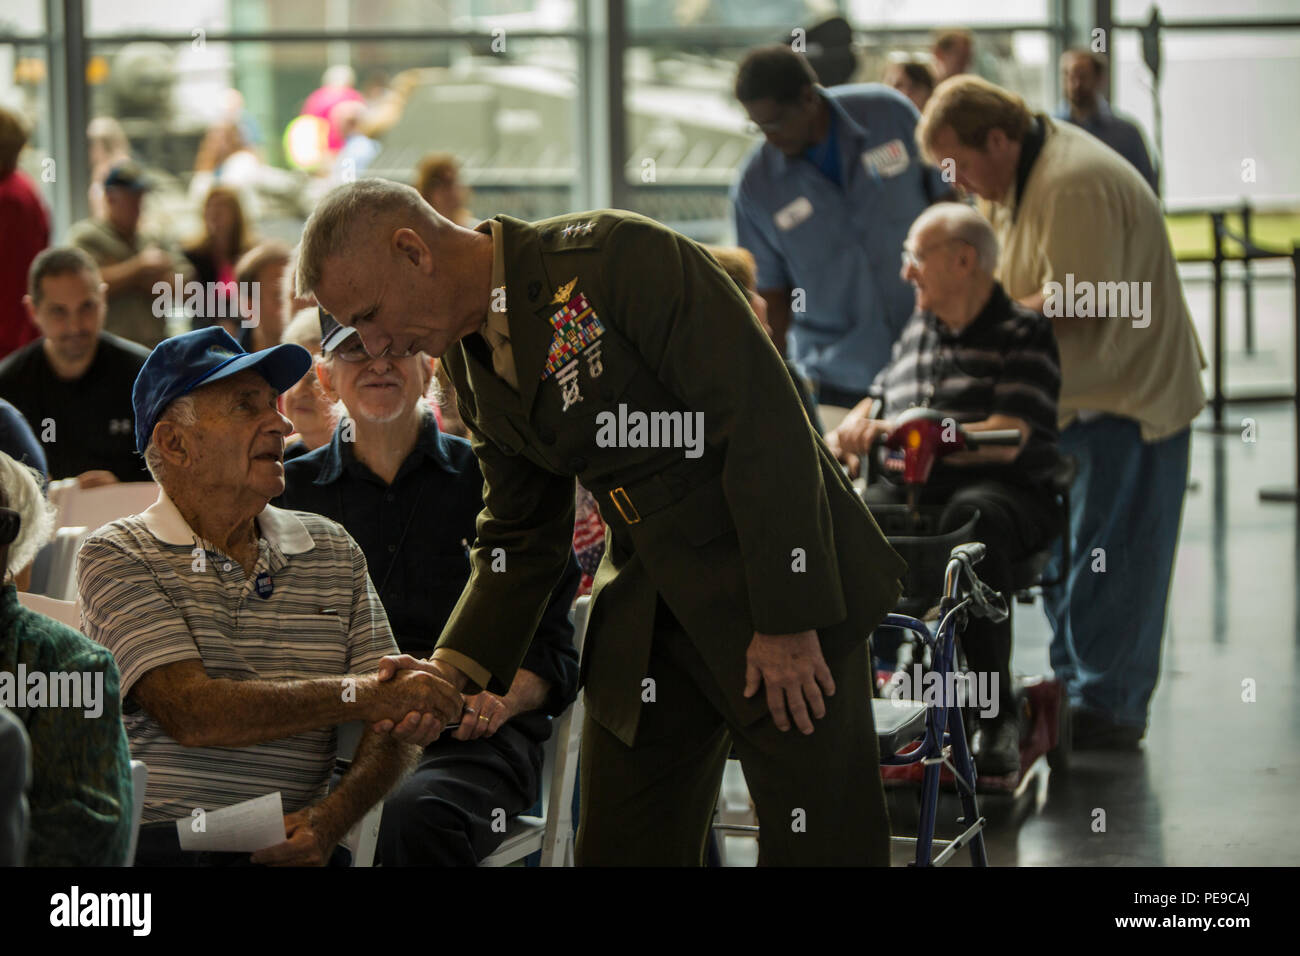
[(1217, 781)]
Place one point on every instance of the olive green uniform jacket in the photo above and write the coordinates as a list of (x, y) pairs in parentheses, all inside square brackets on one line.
[(760, 532)]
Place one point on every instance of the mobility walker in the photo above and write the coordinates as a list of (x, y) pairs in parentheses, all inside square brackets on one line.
[(941, 556), (939, 723)]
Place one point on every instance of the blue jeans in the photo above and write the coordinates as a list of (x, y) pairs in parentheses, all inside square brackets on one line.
[(1108, 626)]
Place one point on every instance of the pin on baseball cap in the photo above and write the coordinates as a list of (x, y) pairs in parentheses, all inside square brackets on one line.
[(179, 365)]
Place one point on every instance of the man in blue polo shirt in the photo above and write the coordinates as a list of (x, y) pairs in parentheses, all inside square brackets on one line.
[(824, 206), (1082, 73)]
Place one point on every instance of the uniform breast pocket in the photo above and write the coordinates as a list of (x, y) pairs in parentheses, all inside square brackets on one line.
[(573, 404), (600, 375)]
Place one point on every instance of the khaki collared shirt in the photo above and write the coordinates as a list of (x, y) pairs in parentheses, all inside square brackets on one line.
[(1087, 219), (496, 330)]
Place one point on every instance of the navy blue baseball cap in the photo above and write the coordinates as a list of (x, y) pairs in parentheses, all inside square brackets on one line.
[(179, 365)]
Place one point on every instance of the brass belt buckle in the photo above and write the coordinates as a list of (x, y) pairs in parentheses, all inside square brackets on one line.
[(613, 496)]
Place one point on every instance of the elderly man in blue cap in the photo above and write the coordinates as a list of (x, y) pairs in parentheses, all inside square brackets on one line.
[(244, 633)]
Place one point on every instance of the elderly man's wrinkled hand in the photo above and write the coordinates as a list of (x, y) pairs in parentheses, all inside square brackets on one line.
[(309, 841), (791, 668), (437, 700), (484, 715)]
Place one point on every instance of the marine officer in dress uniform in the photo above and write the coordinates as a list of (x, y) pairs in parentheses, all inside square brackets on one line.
[(743, 575)]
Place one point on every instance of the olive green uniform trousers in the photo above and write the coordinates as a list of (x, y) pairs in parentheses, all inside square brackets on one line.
[(819, 796)]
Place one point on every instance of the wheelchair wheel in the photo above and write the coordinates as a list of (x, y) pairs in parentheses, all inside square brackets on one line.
[(1058, 758)]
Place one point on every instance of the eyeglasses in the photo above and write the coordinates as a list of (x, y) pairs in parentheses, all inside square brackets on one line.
[(917, 258), (774, 125), (353, 351)]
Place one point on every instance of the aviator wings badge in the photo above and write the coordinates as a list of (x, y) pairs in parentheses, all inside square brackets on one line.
[(564, 292)]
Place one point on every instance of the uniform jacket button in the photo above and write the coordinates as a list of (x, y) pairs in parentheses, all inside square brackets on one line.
[(578, 465), (534, 289), (547, 435)]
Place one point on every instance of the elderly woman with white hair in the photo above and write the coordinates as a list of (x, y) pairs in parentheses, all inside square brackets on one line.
[(971, 353), (64, 689)]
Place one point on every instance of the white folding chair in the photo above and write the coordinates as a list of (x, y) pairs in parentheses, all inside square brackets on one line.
[(96, 507), (139, 785), (733, 818), (552, 833), (54, 572), (362, 839), (66, 612)]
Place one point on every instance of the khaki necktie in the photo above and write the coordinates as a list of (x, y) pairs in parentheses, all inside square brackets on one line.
[(497, 333)]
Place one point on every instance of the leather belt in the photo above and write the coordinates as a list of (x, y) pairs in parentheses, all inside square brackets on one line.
[(640, 499)]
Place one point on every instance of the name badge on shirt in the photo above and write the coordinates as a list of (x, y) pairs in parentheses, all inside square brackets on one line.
[(888, 160), (796, 212)]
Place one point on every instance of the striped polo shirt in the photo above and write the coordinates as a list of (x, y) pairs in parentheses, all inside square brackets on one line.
[(153, 593), (1003, 363)]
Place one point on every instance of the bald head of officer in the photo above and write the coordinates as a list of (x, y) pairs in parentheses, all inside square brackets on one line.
[(381, 260)]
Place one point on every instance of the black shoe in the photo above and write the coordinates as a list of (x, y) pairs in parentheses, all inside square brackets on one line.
[(999, 748), (1093, 730)]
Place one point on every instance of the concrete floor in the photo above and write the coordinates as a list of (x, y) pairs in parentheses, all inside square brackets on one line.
[(1216, 781)]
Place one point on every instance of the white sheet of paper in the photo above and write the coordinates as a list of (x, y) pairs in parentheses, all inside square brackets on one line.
[(252, 825)]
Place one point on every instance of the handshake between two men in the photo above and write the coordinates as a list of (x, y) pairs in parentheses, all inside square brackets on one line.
[(417, 700)]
